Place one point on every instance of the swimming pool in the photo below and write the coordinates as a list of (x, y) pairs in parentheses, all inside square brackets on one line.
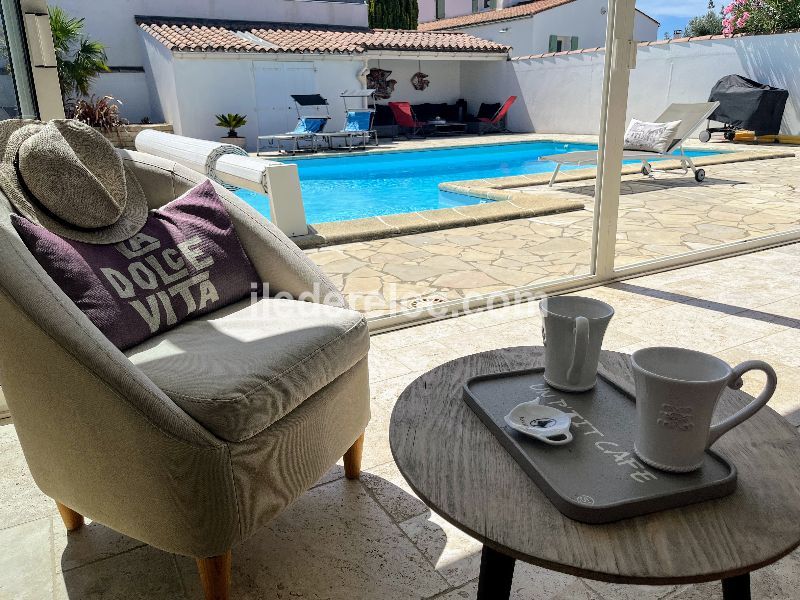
[(344, 187)]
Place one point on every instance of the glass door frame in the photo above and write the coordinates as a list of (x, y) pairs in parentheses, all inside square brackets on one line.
[(620, 58), (19, 58)]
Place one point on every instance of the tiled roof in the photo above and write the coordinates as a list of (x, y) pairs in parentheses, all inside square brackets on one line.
[(199, 35), (504, 14)]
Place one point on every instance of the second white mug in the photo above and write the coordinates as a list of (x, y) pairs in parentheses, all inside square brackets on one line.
[(677, 391)]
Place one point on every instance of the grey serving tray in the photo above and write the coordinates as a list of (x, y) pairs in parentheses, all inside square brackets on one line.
[(596, 478)]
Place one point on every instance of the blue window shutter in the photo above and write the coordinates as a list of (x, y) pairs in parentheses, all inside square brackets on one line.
[(553, 43), (493, 4), (573, 42), (476, 5), (440, 9)]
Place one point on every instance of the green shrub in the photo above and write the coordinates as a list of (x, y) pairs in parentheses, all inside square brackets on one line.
[(707, 24), (79, 60), (761, 16), (393, 14), (232, 122)]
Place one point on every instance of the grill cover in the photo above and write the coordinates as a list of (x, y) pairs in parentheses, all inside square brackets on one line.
[(747, 104)]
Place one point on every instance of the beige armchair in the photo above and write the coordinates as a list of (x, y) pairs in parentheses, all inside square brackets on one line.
[(199, 437)]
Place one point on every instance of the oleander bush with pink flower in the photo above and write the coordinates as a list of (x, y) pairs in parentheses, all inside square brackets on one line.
[(760, 16)]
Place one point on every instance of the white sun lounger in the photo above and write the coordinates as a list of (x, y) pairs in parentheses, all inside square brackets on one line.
[(691, 117)]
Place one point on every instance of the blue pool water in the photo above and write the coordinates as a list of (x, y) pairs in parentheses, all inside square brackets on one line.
[(348, 187)]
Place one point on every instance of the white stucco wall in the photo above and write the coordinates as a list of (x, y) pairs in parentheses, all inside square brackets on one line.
[(189, 89), (112, 22), (444, 75), (645, 29), (197, 88), (561, 94), (582, 18), (160, 74), (132, 90), (452, 8)]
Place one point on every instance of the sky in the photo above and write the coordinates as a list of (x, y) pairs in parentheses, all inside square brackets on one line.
[(674, 14)]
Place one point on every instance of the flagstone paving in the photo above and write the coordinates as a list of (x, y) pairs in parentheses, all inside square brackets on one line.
[(668, 215), (374, 539)]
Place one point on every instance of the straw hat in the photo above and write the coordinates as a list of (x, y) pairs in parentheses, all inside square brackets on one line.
[(65, 176)]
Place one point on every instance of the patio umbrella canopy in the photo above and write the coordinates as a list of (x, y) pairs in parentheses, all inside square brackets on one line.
[(747, 104)]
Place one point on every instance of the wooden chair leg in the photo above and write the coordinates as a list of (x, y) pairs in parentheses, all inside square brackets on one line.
[(72, 520), (215, 575), (352, 459)]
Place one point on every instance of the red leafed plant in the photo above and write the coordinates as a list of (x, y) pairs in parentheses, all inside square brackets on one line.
[(102, 113)]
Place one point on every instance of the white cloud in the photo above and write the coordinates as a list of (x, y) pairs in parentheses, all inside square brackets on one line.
[(674, 8)]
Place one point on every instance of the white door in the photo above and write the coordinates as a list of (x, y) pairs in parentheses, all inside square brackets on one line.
[(274, 84)]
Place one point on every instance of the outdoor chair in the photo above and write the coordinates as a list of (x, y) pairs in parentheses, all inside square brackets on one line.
[(357, 131), (691, 117), (406, 120), (307, 129), (496, 124), (303, 137), (144, 441)]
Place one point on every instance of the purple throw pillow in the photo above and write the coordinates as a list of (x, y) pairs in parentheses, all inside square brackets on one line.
[(186, 261)]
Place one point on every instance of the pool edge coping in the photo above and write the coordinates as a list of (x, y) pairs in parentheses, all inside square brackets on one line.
[(497, 188), (507, 203)]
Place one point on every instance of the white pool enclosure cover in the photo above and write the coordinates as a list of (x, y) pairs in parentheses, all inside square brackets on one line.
[(231, 166)]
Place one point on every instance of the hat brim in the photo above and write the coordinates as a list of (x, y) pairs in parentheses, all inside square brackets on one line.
[(134, 213)]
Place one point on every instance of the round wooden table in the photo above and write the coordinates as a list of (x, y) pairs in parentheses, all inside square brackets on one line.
[(459, 469)]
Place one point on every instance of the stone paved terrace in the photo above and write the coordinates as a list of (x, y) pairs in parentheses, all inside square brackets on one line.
[(373, 539), (668, 215)]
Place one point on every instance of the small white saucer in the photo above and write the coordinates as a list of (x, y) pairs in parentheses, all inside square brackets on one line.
[(545, 423)]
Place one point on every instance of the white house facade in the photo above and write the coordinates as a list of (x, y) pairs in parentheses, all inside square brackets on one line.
[(113, 22), (201, 67), (530, 27)]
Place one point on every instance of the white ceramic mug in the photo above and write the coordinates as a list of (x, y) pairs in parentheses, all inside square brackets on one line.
[(573, 328), (677, 391)]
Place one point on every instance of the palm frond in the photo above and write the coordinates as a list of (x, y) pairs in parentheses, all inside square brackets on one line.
[(78, 59)]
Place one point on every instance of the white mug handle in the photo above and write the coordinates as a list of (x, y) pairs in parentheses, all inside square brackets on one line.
[(735, 382), (581, 348)]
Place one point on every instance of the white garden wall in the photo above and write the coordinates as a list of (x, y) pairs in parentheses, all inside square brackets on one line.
[(131, 89), (561, 93)]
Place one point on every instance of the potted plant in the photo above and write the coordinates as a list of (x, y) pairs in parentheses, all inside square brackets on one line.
[(232, 122)]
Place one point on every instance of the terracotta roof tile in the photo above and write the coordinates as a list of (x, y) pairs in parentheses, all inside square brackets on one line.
[(198, 35), (512, 12)]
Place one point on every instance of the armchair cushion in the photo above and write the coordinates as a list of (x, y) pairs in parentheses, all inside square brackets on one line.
[(239, 370)]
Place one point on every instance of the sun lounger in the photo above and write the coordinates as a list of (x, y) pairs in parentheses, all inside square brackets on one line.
[(303, 137), (305, 134), (497, 124), (358, 130), (691, 117)]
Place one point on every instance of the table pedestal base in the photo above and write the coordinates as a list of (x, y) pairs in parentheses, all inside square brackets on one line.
[(497, 573)]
